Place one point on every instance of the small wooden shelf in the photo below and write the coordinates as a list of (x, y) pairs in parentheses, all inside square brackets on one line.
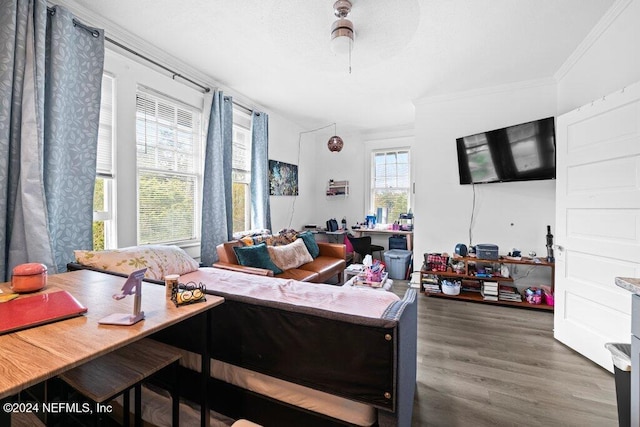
[(462, 276), (337, 189), (476, 297)]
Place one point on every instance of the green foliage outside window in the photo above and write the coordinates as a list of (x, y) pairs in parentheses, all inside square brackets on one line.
[(395, 201), (239, 206), (98, 205), (165, 208)]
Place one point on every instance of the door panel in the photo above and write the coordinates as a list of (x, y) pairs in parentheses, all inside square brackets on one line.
[(598, 222)]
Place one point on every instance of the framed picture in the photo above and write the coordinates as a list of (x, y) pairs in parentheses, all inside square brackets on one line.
[(283, 179)]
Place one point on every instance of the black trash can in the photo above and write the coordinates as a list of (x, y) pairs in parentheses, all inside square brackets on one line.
[(621, 354)]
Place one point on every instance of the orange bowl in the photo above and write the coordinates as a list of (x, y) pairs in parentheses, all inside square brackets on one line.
[(29, 277)]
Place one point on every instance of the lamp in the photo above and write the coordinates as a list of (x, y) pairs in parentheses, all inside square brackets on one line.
[(342, 30), (335, 143), (342, 36)]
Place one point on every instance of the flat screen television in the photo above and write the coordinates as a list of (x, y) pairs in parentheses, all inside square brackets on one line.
[(516, 153)]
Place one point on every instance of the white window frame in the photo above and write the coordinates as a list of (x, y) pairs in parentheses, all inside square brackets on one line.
[(242, 167), (196, 174), (372, 178), (105, 169)]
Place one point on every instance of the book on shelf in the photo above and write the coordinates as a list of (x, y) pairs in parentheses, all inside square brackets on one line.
[(471, 286), (509, 293), (431, 288), (490, 288), (488, 297)]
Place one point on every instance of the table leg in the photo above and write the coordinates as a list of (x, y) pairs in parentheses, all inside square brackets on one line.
[(137, 391), (175, 395), (5, 416), (205, 369)]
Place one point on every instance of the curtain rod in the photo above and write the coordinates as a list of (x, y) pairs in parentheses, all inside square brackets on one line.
[(95, 33), (247, 110), (157, 64)]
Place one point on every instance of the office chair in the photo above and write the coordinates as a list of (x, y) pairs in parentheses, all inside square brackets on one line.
[(362, 246)]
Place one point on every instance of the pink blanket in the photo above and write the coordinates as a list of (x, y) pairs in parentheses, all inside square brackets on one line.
[(347, 300)]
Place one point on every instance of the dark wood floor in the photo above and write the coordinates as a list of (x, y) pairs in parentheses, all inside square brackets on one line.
[(486, 365)]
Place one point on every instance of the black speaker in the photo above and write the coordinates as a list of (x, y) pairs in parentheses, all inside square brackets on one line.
[(461, 249)]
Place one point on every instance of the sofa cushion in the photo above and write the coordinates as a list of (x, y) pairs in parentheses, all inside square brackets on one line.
[(325, 266), (256, 256), (299, 275), (311, 244), (159, 260), (289, 256)]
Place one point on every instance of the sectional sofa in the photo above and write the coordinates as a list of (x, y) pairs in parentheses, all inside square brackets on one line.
[(291, 353), (329, 259)]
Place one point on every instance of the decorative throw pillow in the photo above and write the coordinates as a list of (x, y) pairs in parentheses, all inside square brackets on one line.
[(290, 256), (255, 256), (160, 260), (311, 244)]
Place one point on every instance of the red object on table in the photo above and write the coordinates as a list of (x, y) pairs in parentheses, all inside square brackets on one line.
[(34, 310)]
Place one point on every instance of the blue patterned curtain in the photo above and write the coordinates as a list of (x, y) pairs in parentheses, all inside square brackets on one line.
[(260, 208), (50, 81), (217, 207)]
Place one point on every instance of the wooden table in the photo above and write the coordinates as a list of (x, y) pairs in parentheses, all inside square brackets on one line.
[(408, 234), (33, 355)]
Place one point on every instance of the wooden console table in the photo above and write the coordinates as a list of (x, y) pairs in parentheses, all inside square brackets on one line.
[(475, 296), (33, 355)]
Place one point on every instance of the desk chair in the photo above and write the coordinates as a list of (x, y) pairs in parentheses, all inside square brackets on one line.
[(362, 246)]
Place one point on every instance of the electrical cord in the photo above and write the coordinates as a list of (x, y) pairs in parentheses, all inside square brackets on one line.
[(293, 204), (473, 210)]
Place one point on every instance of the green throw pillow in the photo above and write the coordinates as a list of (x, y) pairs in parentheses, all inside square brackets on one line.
[(255, 256), (311, 244)]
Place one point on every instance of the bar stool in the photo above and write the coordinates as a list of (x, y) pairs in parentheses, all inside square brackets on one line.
[(116, 373)]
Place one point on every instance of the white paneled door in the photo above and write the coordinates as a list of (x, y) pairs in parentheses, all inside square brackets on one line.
[(597, 222)]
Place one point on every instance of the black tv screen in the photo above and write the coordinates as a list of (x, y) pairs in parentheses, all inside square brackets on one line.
[(516, 153)]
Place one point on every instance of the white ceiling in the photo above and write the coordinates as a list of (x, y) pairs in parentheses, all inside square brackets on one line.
[(277, 52)]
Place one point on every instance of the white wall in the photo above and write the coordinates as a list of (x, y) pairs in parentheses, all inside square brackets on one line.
[(511, 215), (351, 164), (290, 211), (606, 61)]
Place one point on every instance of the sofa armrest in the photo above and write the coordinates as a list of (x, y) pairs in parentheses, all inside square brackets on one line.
[(333, 250), (243, 269)]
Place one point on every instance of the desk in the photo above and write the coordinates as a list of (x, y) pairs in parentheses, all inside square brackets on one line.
[(408, 234), (329, 236), (33, 355)]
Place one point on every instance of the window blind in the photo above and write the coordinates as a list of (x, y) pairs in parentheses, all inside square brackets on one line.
[(104, 165), (168, 146)]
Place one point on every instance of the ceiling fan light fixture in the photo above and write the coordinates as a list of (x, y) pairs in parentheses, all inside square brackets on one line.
[(335, 144), (341, 8), (342, 36)]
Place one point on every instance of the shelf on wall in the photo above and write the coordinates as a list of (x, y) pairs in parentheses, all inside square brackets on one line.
[(337, 189)]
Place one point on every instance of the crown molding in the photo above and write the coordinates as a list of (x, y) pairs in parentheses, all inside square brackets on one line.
[(596, 32), (391, 132), (492, 90)]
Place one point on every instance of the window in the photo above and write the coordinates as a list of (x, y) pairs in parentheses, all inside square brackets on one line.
[(390, 183), (169, 146), (103, 196), (241, 174)]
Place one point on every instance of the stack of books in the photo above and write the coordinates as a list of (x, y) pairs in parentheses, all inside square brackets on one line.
[(509, 293), (489, 291), (471, 286), (430, 284)]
